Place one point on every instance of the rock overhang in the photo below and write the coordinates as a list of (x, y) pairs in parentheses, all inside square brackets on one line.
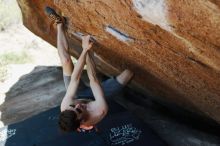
[(172, 46)]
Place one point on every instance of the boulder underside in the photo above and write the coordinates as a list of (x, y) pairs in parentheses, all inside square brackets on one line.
[(172, 46)]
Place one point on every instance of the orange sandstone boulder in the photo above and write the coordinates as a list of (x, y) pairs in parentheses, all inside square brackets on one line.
[(173, 46)]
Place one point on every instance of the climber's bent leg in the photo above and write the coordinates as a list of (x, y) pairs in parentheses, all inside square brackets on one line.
[(125, 77), (62, 47), (115, 85)]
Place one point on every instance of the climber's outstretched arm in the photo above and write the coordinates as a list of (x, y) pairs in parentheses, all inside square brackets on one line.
[(75, 77), (95, 84)]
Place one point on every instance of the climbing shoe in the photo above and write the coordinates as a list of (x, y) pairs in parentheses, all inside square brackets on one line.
[(53, 15)]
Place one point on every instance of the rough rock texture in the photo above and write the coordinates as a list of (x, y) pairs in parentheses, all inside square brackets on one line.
[(40, 90), (173, 46)]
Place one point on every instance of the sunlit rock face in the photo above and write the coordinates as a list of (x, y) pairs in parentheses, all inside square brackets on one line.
[(173, 46)]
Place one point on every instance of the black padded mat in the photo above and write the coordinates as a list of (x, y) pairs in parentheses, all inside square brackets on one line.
[(123, 129), (118, 128)]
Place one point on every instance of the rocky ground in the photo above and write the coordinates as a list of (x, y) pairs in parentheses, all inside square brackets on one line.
[(19, 44)]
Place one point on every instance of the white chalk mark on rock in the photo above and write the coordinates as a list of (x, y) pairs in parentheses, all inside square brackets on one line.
[(119, 35), (153, 11)]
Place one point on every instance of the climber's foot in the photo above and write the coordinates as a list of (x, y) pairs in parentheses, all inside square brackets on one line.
[(51, 13)]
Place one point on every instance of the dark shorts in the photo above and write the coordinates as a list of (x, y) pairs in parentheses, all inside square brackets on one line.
[(111, 87)]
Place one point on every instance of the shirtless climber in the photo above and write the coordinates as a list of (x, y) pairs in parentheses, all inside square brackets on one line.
[(78, 113)]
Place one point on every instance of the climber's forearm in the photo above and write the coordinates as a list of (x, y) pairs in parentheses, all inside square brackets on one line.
[(79, 66), (91, 67)]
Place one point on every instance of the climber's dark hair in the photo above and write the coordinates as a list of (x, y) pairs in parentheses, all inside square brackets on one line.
[(68, 121)]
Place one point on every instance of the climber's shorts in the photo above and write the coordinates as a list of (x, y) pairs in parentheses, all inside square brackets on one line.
[(111, 87)]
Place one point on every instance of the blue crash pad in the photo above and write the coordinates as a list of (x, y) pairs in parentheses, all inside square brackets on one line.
[(119, 128)]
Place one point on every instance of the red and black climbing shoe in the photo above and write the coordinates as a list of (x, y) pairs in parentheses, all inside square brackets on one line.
[(51, 13)]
